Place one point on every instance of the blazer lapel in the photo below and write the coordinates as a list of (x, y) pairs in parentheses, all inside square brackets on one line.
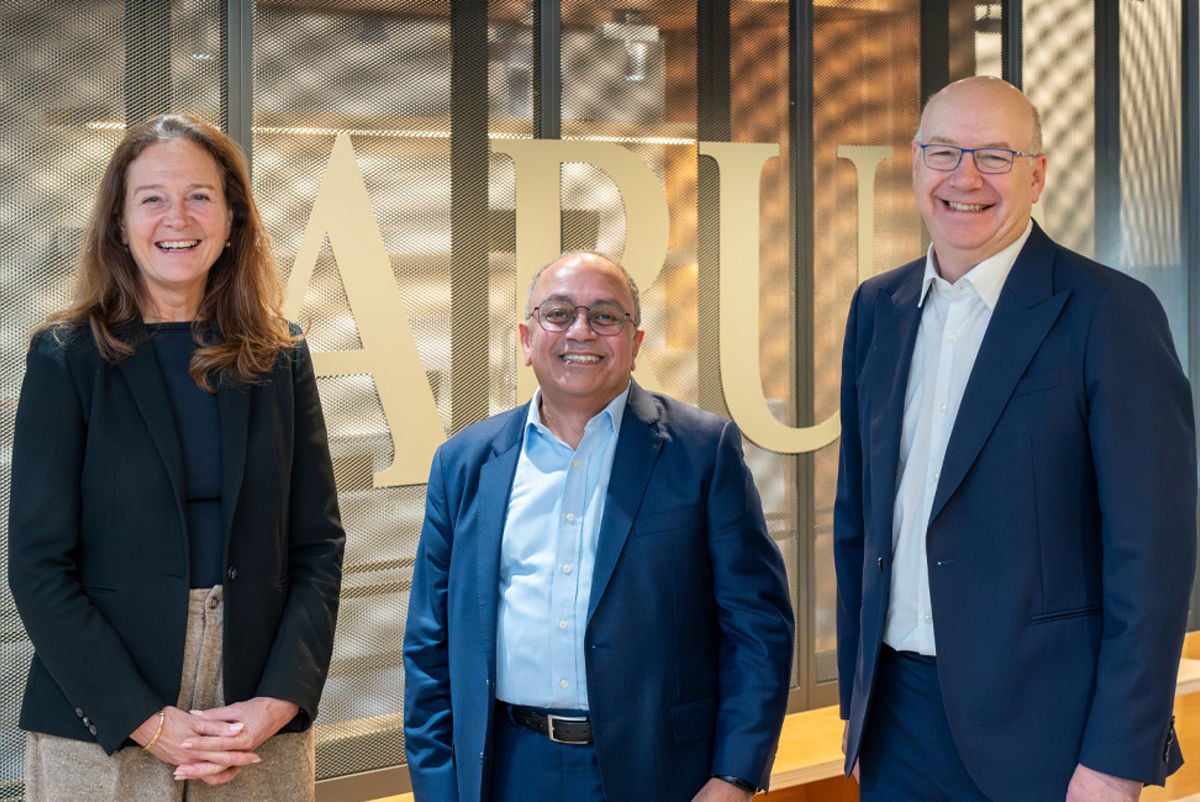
[(495, 485), (1024, 314), (897, 319), (638, 445), (149, 390), (233, 408)]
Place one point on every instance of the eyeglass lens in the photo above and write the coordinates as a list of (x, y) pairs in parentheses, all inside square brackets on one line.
[(604, 318), (987, 160)]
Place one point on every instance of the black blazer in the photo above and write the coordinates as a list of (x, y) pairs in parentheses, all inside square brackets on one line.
[(98, 555)]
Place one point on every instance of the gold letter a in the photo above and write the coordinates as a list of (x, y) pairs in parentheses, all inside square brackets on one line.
[(389, 353)]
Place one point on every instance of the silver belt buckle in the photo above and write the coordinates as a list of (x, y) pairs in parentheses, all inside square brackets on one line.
[(551, 718)]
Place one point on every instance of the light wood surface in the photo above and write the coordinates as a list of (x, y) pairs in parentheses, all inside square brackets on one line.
[(397, 798), (810, 748)]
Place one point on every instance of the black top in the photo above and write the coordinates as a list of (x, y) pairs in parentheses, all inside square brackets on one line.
[(199, 425)]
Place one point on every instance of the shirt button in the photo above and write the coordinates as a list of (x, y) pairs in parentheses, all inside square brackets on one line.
[(575, 463), (951, 337), (941, 408), (566, 569), (570, 516), (562, 624), (926, 618), (563, 682)]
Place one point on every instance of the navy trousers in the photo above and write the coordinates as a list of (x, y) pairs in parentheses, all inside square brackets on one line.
[(908, 753), (529, 767)]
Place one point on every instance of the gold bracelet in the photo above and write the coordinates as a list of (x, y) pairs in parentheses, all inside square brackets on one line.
[(162, 717)]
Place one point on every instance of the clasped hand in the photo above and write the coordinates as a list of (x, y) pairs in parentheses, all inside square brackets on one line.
[(214, 745)]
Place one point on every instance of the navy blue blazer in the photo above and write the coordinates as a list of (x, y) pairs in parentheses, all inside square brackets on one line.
[(1062, 539), (689, 631), (98, 553)]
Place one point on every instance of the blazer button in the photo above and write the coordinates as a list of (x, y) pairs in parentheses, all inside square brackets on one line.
[(79, 712), (231, 573)]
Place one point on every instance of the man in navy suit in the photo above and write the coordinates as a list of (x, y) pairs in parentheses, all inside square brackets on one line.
[(1014, 529), (597, 610)]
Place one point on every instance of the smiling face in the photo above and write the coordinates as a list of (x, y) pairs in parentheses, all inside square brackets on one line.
[(580, 371), (175, 222), (971, 215)]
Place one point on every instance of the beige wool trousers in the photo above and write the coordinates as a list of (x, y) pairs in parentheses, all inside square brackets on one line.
[(58, 769)]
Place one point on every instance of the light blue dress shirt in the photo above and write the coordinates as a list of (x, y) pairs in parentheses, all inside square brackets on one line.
[(546, 559)]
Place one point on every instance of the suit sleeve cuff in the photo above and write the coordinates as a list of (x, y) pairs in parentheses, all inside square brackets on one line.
[(736, 781)]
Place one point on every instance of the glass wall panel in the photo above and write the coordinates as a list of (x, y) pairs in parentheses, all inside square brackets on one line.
[(363, 236), (760, 68), (866, 109), (1059, 63), (1151, 189)]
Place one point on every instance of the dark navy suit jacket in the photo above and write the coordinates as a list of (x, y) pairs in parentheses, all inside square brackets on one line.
[(689, 632), (1062, 539), (98, 552)]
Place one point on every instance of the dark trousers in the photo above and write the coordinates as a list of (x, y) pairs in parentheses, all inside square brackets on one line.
[(908, 753), (529, 767)]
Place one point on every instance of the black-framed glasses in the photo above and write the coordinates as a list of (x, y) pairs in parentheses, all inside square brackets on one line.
[(606, 319), (946, 158)]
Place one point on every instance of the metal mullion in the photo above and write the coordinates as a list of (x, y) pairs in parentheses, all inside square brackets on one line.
[(935, 46), (469, 246), (802, 191), (713, 124), (237, 93), (547, 69), (1012, 42), (1107, 135)]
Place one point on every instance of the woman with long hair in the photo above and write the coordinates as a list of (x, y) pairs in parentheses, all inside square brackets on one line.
[(175, 547)]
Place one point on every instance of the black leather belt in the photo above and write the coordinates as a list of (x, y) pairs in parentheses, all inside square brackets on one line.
[(560, 729)]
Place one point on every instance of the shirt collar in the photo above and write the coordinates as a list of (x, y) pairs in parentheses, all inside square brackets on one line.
[(987, 277), (613, 413)]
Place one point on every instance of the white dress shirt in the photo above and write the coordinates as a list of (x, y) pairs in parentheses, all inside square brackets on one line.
[(948, 339), (546, 559)]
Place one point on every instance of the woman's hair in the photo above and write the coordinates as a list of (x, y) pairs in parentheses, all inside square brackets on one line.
[(242, 295)]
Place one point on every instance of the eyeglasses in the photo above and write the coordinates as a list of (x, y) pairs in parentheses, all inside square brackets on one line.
[(606, 319), (946, 158)]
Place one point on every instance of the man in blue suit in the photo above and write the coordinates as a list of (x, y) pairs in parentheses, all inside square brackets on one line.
[(1014, 529), (597, 610)]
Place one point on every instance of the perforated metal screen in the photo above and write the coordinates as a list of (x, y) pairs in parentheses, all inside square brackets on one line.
[(867, 96), (384, 79)]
